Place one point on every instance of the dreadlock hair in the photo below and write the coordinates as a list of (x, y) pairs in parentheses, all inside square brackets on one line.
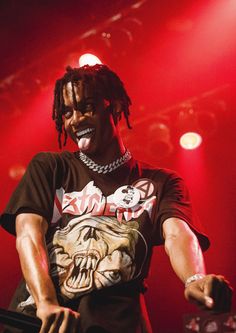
[(104, 82)]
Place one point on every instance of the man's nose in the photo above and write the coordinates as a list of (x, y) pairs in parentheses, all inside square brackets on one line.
[(76, 118)]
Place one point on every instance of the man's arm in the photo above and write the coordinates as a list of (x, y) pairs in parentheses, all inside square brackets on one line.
[(30, 243), (210, 291)]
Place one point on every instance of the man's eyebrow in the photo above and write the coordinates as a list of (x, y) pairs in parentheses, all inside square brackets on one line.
[(89, 98), (80, 104), (85, 100)]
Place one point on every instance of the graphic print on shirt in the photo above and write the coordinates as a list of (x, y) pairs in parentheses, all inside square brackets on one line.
[(98, 247), (93, 253), (92, 201)]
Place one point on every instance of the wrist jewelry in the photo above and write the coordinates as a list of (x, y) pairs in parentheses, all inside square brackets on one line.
[(193, 278)]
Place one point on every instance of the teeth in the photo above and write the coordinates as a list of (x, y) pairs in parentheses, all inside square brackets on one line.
[(78, 278), (83, 263), (88, 265), (86, 262), (94, 261), (81, 283), (72, 281), (86, 131), (78, 261), (87, 279)]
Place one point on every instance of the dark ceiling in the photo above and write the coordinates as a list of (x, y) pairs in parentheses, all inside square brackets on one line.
[(30, 29)]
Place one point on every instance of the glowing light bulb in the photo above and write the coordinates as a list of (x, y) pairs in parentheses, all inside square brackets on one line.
[(89, 59), (190, 140)]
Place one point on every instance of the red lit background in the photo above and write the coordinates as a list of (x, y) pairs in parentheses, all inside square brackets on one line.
[(178, 62)]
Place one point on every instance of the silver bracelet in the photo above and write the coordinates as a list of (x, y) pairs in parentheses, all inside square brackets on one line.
[(193, 278)]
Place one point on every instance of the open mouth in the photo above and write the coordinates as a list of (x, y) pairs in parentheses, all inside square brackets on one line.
[(84, 133), (84, 137), (81, 273)]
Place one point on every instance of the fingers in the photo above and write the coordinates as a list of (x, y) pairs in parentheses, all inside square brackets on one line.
[(64, 320), (195, 294), (213, 292), (46, 324), (55, 325), (70, 322), (222, 294), (209, 301), (219, 289)]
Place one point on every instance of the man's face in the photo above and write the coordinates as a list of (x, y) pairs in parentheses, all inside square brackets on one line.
[(91, 126)]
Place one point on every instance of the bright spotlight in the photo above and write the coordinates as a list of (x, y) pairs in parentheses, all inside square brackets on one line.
[(89, 59), (190, 140)]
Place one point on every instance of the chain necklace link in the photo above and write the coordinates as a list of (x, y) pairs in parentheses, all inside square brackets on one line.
[(107, 168)]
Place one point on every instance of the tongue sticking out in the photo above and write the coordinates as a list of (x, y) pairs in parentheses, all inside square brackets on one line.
[(84, 143)]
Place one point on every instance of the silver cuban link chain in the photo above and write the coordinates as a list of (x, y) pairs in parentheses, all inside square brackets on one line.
[(107, 168)]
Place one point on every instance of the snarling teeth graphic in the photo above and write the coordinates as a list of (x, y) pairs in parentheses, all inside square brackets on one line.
[(92, 253), (81, 273)]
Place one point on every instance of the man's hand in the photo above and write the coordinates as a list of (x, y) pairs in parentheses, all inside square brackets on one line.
[(31, 245), (57, 319), (212, 292)]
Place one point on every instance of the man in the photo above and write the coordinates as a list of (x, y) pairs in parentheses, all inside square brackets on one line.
[(86, 222)]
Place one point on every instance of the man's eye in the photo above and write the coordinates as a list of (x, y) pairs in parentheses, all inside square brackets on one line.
[(67, 112), (89, 107)]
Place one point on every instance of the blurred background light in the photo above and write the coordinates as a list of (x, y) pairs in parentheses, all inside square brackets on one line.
[(16, 171), (159, 136), (190, 140), (195, 124), (89, 59)]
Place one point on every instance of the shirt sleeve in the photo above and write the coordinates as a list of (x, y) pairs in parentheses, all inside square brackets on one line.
[(174, 201), (34, 193)]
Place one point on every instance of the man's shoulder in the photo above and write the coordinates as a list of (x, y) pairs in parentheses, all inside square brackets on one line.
[(48, 155), (52, 160), (156, 170)]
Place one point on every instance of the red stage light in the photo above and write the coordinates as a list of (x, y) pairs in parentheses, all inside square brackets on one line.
[(16, 171), (190, 140), (89, 59)]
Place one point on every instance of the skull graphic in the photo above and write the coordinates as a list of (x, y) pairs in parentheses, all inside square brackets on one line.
[(92, 253)]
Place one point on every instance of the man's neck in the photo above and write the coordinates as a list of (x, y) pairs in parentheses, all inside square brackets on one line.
[(114, 150)]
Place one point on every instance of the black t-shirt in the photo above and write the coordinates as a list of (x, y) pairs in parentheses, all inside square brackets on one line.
[(102, 228)]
